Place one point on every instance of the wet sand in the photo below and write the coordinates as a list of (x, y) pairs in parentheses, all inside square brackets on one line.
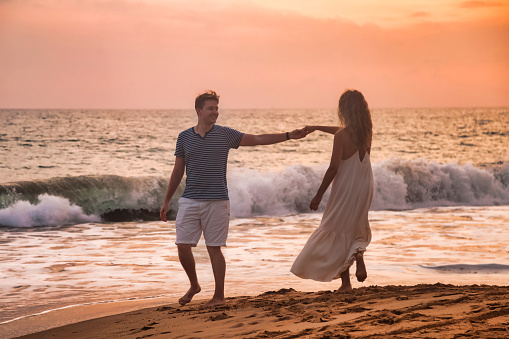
[(419, 311)]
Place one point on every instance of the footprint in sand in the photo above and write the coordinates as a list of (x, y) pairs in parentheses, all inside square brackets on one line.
[(221, 316), (315, 317), (476, 309), (144, 328), (283, 317), (164, 308)]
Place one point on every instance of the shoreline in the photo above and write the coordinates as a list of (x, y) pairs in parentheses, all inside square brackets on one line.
[(480, 311), (72, 314)]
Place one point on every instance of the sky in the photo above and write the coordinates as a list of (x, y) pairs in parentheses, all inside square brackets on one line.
[(134, 54)]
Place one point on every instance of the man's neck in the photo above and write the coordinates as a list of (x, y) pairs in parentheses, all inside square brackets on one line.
[(202, 128)]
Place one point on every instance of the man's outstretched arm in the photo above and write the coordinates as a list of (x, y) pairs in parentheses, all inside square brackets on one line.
[(176, 177), (269, 139)]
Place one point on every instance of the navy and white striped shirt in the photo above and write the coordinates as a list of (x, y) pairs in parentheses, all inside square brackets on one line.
[(206, 159)]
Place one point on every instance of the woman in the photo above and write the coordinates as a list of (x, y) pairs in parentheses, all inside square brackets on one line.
[(344, 232)]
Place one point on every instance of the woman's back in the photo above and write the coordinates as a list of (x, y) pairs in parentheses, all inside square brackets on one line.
[(349, 148)]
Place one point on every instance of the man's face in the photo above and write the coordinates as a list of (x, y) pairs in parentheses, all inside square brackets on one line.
[(209, 113)]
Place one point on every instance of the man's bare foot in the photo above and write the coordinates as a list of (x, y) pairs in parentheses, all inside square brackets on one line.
[(360, 271), (344, 288), (214, 302), (189, 295)]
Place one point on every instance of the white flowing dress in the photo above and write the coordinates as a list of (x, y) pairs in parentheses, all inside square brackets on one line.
[(344, 229)]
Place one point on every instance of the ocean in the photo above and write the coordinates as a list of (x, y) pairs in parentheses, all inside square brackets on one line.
[(80, 193)]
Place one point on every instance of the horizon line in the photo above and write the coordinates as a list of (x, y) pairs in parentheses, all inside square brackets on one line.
[(258, 108)]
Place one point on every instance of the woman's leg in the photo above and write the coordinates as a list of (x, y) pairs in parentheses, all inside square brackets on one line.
[(346, 285)]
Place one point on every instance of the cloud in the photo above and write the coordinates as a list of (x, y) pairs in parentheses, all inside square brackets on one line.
[(480, 4), (420, 15)]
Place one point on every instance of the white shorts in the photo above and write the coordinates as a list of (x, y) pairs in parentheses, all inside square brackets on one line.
[(208, 216)]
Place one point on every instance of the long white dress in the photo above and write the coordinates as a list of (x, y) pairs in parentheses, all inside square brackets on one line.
[(344, 229)]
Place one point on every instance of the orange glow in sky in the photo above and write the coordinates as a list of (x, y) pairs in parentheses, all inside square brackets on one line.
[(255, 54)]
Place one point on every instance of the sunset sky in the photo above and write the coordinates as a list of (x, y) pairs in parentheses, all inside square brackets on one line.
[(255, 54)]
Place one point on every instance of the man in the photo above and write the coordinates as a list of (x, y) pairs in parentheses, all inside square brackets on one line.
[(202, 153)]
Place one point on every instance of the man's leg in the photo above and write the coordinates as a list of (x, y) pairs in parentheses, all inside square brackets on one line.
[(219, 269), (187, 260), (215, 219)]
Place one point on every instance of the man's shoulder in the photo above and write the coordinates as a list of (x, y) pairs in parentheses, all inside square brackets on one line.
[(224, 129), (188, 131), (220, 129)]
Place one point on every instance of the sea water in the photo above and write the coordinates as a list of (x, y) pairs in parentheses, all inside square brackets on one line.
[(80, 192)]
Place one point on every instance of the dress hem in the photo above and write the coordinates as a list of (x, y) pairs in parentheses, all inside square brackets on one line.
[(338, 275)]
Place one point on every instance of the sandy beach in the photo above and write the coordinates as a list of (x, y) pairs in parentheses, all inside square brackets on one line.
[(419, 311)]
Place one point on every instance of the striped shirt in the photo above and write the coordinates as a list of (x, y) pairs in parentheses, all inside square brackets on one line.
[(206, 159)]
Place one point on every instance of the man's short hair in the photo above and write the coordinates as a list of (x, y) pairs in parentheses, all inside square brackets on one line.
[(199, 102)]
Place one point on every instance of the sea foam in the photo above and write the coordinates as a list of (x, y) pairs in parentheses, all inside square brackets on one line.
[(273, 193), (50, 211)]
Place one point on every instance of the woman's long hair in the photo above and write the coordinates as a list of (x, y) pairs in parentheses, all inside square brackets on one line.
[(353, 113)]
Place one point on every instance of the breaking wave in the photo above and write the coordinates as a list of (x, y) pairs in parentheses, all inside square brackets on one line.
[(399, 185), (59, 201)]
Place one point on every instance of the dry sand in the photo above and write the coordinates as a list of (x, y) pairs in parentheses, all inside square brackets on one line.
[(420, 311)]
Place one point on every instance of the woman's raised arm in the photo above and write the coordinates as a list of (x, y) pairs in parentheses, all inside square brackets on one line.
[(326, 129)]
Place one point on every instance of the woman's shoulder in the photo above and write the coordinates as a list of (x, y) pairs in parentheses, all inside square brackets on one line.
[(341, 132), (343, 135)]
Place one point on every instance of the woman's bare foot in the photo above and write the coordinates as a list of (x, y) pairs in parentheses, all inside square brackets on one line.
[(189, 295), (214, 302), (346, 285), (344, 288), (360, 271)]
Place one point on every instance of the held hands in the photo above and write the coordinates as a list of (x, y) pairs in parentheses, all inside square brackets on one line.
[(300, 133), (297, 134), (309, 129), (315, 202)]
